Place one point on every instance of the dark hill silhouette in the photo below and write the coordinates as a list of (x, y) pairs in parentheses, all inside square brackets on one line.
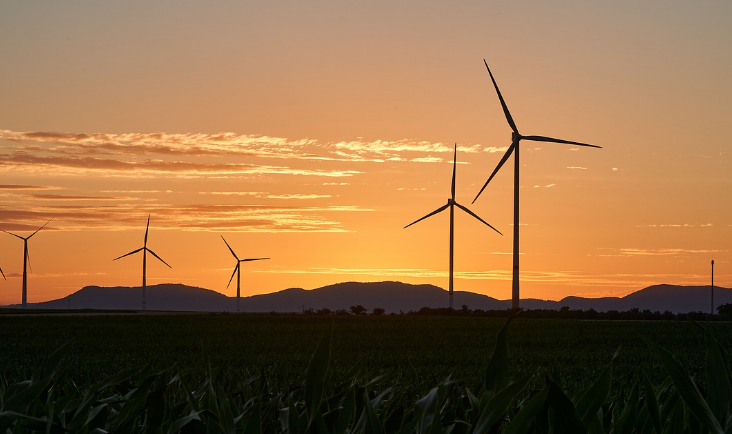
[(391, 296), (674, 298), (168, 296)]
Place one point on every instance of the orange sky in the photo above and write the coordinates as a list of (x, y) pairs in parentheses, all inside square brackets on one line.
[(312, 133)]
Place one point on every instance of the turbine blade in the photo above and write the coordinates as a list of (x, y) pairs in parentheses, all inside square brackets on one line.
[(128, 254), (232, 275), (252, 259), (27, 258), (454, 169), (438, 210), (146, 230), (15, 235), (550, 139), (476, 216), (511, 123), (39, 229), (161, 259), (498, 167), (230, 249), (1, 272)]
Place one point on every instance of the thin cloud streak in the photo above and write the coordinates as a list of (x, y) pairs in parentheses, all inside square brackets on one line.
[(195, 217), (631, 282)]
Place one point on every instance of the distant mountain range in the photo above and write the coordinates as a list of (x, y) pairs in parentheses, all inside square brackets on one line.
[(391, 296)]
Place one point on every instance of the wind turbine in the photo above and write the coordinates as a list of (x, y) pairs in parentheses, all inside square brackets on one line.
[(26, 262), (237, 271), (516, 138), (452, 204), (144, 250)]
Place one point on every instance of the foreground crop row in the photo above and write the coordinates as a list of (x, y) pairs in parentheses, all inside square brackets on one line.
[(220, 400)]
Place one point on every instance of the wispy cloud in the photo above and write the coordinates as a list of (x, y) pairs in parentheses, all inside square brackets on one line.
[(576, 168), (27, 187), (32, 163), (234, 193), (298, 196), (493, 149), (174, 145), (676, 225), (545, 186), (69, 197), (654, 252), (191, 217), (561, 278)]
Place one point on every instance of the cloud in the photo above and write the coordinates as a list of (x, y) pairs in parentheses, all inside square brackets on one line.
[(545, 186), (426, 160), (576, 168), (227, 144), (493, 149), (676, 225), (234, 193), (560, 278), (65, 197), (655, 252), (297, 196), (189, 217), (22, 161), (27, 187)]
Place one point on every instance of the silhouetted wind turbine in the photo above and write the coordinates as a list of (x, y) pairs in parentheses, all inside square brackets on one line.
[(144, 250), (452, 204), (516, 138), (237, 271), (26, 262)]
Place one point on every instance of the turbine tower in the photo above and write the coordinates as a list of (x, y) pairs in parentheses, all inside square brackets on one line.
[(144, 250), (26, 262), (712, 312), (452, 204), (237, 271), (516, 138)]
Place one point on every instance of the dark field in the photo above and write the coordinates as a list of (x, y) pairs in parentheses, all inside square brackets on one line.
[(420, 351)]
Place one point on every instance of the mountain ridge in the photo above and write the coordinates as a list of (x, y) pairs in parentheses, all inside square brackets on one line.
[(389, 295)]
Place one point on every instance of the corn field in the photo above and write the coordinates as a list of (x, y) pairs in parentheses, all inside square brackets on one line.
[(143, 400)]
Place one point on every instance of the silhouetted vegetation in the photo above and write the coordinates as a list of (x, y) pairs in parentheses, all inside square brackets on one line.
[(590, 314), (218, 399)]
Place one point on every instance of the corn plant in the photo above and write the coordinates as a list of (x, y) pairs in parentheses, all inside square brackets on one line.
[(143, 400)]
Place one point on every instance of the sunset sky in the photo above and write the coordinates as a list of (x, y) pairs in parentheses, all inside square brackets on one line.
[(313, 132)]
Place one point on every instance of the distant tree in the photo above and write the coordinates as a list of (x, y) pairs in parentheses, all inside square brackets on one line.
[(323, 311), (358, 310), (378, 311), (308, 311), (724, 309), (465, 309), (341, 312)]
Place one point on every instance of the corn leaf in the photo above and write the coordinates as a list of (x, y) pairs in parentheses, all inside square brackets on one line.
[(718, 381), (498, 405), (496, 374), (315, 377), (687, 389), (652, 404)]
